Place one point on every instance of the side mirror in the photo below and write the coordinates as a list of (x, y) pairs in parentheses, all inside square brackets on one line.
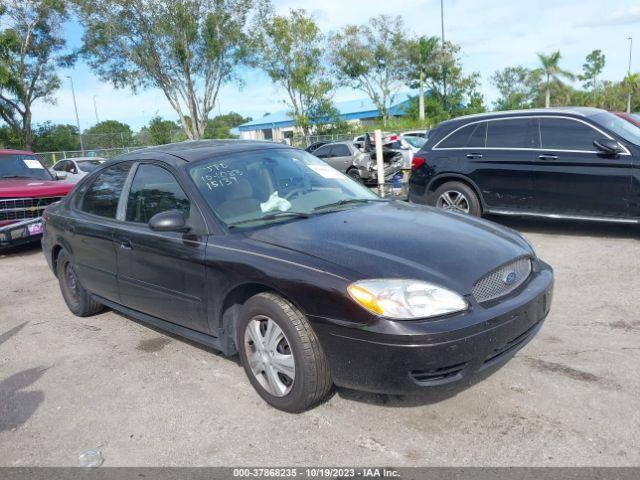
[(61, 175), (169, 221), (607, 145)]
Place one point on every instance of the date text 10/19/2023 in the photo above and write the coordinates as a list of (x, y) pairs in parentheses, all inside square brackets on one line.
[(315, 472)]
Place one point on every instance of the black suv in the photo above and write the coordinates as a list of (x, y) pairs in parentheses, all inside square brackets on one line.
[(580, 163)]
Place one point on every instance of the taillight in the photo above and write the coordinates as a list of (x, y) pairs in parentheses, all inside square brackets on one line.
[(416, 162)]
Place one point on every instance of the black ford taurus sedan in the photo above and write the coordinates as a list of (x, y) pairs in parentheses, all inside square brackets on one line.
[(263, 250), (574, 163)]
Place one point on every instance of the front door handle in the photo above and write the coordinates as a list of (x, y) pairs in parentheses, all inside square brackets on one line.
[(125, 244), (548, 156), (474, 155)]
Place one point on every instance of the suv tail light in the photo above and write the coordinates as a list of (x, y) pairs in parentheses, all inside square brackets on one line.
[(417, 162)]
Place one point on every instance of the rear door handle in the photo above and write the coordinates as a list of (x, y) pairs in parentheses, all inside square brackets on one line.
[(125, 244), (547, 156), (474, 155)]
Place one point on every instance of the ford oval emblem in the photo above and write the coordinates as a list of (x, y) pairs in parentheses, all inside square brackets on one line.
[(509, 278)]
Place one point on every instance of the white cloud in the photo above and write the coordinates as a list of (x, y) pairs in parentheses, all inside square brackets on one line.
[(493, 34)]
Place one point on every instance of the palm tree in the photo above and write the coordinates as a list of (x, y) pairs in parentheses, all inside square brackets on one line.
[(422, 53), (552, 73)]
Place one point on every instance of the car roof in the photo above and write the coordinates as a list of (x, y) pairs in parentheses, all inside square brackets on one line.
[(193, 150), (84, 159), (577, 111), (15, 152)]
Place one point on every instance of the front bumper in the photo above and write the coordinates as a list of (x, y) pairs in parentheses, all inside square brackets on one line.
[(400, 357), (21, 232)]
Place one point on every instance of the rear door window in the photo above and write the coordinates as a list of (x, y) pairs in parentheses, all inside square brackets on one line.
[(513, 133), (567, 134), (154, 190), (102, 196), (469, 136), (322, 152)]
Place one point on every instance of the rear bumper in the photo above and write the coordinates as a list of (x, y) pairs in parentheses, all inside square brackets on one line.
[(21, 232), (442, 354)]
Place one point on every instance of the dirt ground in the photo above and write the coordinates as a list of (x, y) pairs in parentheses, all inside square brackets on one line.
[(571, 397)]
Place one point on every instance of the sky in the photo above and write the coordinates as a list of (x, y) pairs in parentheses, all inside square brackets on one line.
[(493, 34)]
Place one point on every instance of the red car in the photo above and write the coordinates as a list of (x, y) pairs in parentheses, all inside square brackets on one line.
[(26, 188), (630, 117)]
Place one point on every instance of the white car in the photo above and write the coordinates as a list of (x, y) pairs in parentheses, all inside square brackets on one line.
[(416, 133), (77, 168)]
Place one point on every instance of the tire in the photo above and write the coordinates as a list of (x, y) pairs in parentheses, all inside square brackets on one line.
[(311, 381), (457, 196), (354, 174), (79, 301)]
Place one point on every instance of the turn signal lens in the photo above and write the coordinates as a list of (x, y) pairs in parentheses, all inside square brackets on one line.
[(364, 298), (417, 162)]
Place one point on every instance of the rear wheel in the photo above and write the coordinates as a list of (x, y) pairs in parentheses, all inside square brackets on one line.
[(281, 354), (79, 301), (457, 197)]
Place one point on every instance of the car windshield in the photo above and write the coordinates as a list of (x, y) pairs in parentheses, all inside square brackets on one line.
[(635, 116), (22, 166), (617, 125), (257, 188), (89, 165), (415, 142)]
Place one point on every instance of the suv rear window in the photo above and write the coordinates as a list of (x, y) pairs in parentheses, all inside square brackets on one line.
[(513, 133), (469, 136), (102, 196)]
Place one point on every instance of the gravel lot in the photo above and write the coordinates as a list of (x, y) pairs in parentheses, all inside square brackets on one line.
[(571, 397)]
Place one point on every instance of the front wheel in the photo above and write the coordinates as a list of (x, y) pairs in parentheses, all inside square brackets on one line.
[(457, 197), (355, 175), (281, 354)]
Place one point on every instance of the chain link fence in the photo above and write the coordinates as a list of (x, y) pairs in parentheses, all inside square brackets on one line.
[(49, 158)]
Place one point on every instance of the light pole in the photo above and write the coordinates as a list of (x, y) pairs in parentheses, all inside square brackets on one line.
[(629, 74), (75, 107), (444, 72), (95, 109)]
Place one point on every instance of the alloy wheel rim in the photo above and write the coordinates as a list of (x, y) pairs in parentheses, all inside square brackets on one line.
[(269, 355), (453, 200)]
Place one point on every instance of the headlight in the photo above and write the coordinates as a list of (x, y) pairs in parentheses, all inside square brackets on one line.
[(405, 299)]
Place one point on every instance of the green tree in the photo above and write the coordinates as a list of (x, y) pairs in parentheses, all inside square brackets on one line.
[(291, 52), (422, 60), (370, 58), (552, 73), (591, 68), (186, 48), (457, 93), (108, 134), (48, 137), (219, 126), (159, 131), (632, 85), (518, 87), (31, 48)]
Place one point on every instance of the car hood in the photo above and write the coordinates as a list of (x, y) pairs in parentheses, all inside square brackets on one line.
[(401, 240), (31, 187)]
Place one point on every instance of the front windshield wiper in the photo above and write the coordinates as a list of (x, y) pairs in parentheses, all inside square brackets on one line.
[(271, 216), (348, 202)]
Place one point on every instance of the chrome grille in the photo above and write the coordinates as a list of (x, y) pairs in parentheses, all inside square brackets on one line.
[(24, 208), (502, 280)]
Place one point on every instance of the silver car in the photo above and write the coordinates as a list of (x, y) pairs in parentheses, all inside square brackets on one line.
[(78, 167)]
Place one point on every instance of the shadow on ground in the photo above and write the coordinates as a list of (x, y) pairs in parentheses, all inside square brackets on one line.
[(17, 405), (28, 249), (568, 227)]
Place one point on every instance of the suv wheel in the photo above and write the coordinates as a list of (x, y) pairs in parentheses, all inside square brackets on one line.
[(79, 301), (281, 354), (457, 197)]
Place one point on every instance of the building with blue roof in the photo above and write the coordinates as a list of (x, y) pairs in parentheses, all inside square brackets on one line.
[(279, 126)]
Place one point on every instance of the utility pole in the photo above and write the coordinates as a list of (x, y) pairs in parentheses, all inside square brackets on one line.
[(95, 109), (444, 72), (75, 107), (629, 74)]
